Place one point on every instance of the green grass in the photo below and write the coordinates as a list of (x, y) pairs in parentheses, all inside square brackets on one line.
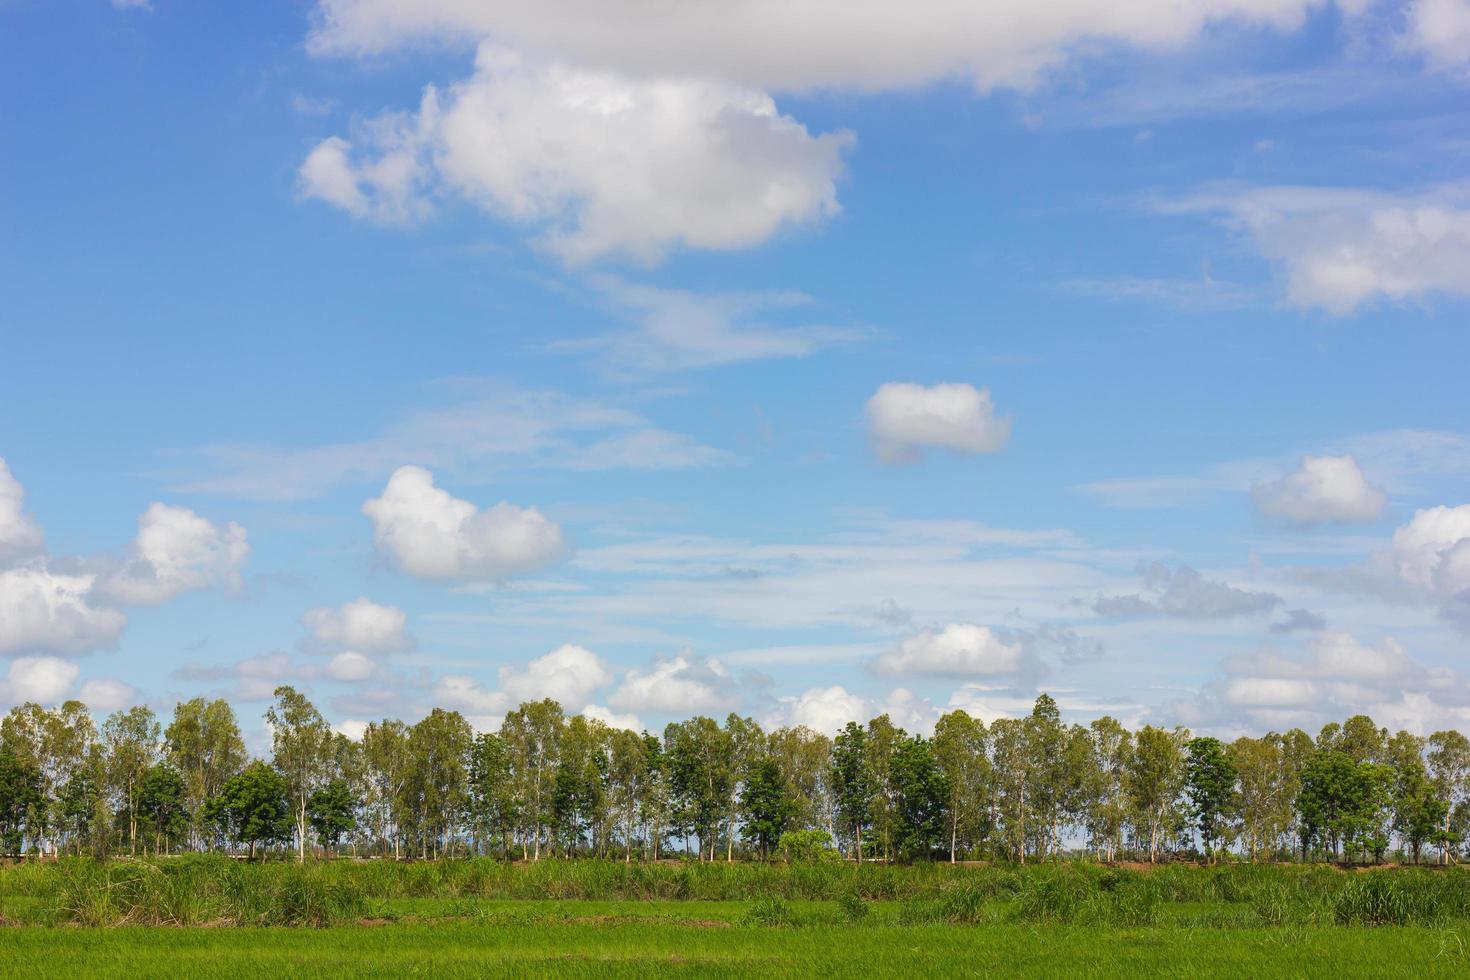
[(213, 917), (581, 948)]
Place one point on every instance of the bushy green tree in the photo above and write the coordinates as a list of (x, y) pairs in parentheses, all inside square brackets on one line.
[(1210, 779), (768, 809), (332, 811), (253, 808)]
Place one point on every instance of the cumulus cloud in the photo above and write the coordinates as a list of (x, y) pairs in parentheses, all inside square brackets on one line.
[(600, 162), (105, 694), (1440, 31), (1342, 248), (45, 611), (681, 684), (1184, 593), (611, 719), (361, 625), (351, 666), (44, 680), (1333, 676), (905, 419), (957, 650), (176, 551), (1323, 490), (569, 674), (20, 535), (1432, 554), (430, 534), (828, 709), (823, 44)]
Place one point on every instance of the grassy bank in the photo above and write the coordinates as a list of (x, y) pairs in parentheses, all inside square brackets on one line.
[(211, 890)]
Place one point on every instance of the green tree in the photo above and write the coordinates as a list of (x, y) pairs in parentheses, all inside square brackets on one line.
[(132, 740), (769, 811), (386, 765), (162, 806), (852, 784), (1449, 765), (253, 808), (20, 797), (1267, 791), (332, 810), (1155, 779), (532, 736), (920, 792), (701, 774), (959, 748), (490, 807), (1343, 802), (1210, 782), (204, 743), (438, 747), (1107, 803), (300, 740)]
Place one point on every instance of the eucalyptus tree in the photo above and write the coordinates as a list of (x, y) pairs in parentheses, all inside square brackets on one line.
[(1107, 803), (300, 742), (1045, 742), (747, 747), (490, 806), (959, 749), (852, 785), (132, 740), (532, 735), (701, 774), (1449, 764), (628, 774), (1344, 802), (55, 742), (386, 771), (1155, 778), (1013, 763), (1266, 791), (805, 758), (204, 743), (438, 748), (579, 801), (1419, 811), (881, 745)]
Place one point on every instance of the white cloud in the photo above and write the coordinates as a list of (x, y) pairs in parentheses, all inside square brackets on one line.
[(463, 693), (45, 611), (905, 419), (176, 551), (1335, 675), (957, 650), (681, 685), (821, 44), (1343, 248), (351, 666), (1323, 490), (353, 728), (828, 709), (1440, 31), (822, 709), (20, 536), (361, 625), (430, 534), (1425, 550), (611, 719), (569, 674), (601, 162), (105, 695), (44, 680), (254, 678)]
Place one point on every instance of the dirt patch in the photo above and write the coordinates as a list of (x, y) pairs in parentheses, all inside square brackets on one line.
[(373, 922)]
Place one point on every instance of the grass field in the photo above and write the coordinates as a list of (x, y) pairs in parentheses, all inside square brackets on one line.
[(210, 918)]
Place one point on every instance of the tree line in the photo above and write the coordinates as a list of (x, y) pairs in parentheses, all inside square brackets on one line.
[(550, 783)]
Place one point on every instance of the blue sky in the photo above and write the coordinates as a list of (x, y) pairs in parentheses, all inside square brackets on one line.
[(803, 366)]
